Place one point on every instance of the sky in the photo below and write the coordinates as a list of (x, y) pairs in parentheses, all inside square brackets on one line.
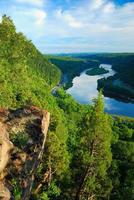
[(66, 26)]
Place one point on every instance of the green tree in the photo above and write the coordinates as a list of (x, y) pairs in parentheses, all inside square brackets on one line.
[(95, 154)]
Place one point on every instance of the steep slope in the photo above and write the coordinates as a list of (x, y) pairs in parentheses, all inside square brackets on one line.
[(26, 78), (25, 74)]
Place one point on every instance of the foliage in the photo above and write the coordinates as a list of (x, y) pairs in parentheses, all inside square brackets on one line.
[(113, 89), (72, 66), (123, 158), (44, 196), (97, 71), (26, 77), (16, 189), (95, 154), (19, 139)]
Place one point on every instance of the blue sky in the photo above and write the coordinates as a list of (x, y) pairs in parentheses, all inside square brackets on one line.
[(57, 26)]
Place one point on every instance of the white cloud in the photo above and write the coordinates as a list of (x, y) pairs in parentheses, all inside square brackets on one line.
[(40, 17), (29, 20), (32, 2), (59, 13), (88, 25), (72, 21), (105, 25), (109, 8), (96, 4), (67, 17), (34, 16)]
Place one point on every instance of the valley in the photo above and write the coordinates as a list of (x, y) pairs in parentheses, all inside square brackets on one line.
[(84, 89), (119, 96)]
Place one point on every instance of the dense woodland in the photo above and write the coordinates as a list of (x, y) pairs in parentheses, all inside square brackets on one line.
[(96, 71), (23, 69), (72, 66), (91, 153)]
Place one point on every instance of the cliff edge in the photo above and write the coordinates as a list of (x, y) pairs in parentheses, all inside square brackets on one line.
[(23, 135)]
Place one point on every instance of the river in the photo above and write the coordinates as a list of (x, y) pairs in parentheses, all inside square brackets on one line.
[(84, 89)]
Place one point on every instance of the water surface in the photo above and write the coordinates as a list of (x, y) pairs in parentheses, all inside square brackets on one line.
[(84, 89)]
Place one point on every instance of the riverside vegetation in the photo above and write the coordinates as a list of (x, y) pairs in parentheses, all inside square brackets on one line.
[(97, 71), (72, 67), (90, 153)]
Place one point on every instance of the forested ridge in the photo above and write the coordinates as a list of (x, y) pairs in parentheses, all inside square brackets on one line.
[(72, 67), (88, 154)]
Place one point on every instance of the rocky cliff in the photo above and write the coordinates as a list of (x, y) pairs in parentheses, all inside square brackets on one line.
[(23, 135)]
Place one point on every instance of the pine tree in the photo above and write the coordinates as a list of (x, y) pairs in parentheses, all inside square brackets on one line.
[(95, 154)]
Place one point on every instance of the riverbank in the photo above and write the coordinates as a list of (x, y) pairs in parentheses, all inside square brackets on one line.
[(84, 89), (72, 67), (115, 88), (117, 96)]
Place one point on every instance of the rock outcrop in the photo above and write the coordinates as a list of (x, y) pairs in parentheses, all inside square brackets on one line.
[(5, 147), (23, 134)]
